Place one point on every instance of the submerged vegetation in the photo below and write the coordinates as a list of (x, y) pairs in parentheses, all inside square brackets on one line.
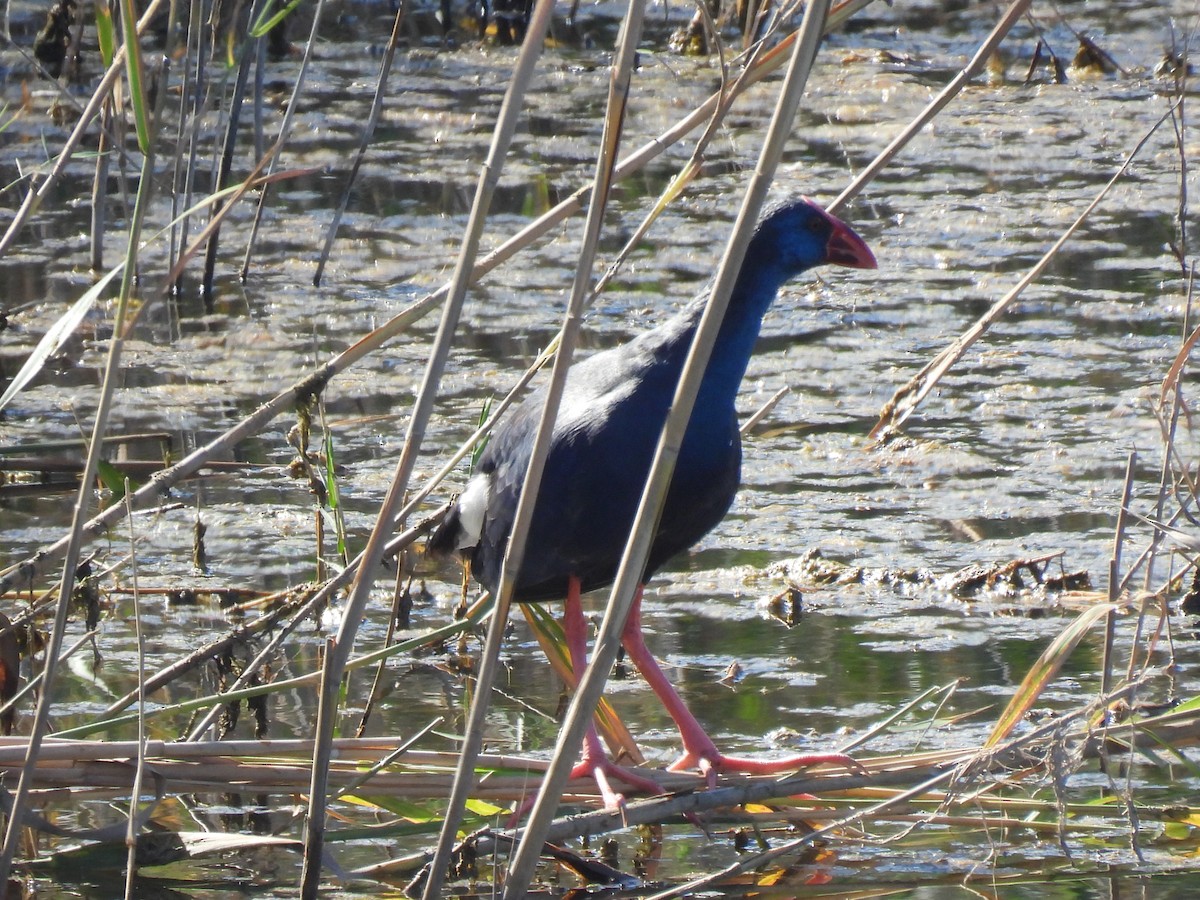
[(230, 648)]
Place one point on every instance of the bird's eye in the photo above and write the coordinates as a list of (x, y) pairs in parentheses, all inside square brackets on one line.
[(816, 226)]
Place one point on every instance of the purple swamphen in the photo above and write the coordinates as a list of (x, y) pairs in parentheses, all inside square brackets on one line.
[(608, 426)]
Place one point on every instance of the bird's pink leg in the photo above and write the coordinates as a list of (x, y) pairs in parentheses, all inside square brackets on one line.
[(593, 760), (699, 751)]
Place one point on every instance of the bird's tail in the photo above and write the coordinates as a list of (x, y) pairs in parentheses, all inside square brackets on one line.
[(446, 538)]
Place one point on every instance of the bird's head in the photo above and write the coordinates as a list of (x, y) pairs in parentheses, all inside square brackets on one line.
[(798, 234)]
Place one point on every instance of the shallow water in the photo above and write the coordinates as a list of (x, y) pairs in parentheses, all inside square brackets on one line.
[(1021, 451)]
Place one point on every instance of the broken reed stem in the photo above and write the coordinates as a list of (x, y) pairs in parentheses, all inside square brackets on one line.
[(907, 398)]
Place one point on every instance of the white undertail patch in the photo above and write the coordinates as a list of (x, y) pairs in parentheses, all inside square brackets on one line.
[(472, 506)]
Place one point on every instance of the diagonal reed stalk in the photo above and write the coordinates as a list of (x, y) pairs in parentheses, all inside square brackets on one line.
[(112, 372), (38, 193), (246, 60), (633, 563), (385, 67), (907, 398), (139, 773), (285, 127), (610, 142), (1011, 16)]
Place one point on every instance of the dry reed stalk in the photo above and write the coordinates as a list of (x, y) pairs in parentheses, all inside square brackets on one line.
[(1114, 574), (355, 606), (621, 72), (244, 693), (363, 752), (426, 774), (1011, 16), (99, 190), (134, 826), (285, 127), (112, 370), (890, 792), (385, 66), (245, 60), (35, 196), (1171, 385), (549, 636)]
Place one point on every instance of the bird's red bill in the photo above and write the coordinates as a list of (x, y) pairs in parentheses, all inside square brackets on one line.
[(845, 248)]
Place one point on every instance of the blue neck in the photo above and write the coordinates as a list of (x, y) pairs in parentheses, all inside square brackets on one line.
[(752, 296)]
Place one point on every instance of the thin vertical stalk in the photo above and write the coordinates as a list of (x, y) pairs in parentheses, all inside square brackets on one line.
[(1165, 475), (1114, 575), (260, 66), (37, 193), (314, 827), (385, 66), (100, 193), (356, 603), (131, 836), (191, 102), (285, 128), (633, 563), (226, 159)]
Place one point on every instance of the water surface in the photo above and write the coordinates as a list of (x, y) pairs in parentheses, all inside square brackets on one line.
[(1020, 452)]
